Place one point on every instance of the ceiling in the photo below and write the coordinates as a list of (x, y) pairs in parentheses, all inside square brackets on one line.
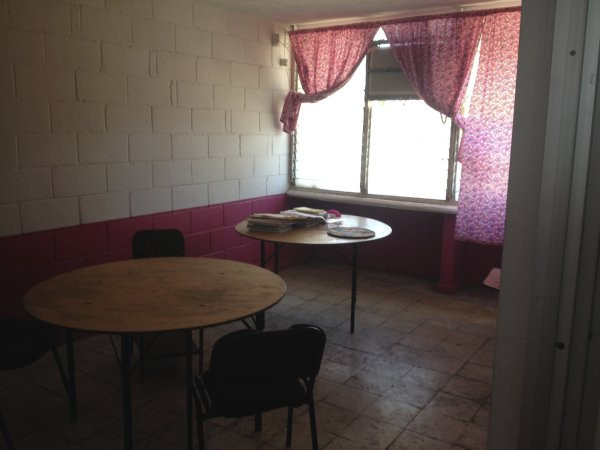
[(292, 12)]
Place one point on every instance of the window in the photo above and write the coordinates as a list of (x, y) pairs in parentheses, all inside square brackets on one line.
[(374, 137)]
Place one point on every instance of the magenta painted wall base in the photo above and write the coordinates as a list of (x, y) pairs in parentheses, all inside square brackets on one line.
[(209, 231), (421, 244)]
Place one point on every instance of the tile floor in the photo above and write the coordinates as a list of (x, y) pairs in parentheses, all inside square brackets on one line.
[(416, 374)]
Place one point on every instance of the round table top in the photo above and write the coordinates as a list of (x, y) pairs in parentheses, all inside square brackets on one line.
[(154, 294), (318, 235)]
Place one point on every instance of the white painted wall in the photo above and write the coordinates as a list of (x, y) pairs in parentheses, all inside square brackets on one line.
[(116, 108)]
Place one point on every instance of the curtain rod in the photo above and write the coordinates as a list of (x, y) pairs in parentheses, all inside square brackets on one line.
[(408, 14)]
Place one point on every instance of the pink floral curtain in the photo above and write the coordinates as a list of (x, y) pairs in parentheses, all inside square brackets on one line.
[(485, 146), (436, 55), (325, 58)]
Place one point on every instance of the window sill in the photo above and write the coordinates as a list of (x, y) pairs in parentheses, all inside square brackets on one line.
[(370, 201)]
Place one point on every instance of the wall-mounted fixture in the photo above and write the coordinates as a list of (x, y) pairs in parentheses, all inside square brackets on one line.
[(275, 39)]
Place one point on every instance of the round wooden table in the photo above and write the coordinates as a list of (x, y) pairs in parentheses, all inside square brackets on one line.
[(318, 236), (152, 295)]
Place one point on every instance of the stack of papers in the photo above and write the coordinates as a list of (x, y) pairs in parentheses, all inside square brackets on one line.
[(286, 220), (274, 223)]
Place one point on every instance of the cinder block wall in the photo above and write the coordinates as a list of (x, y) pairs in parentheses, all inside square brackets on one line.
[(112, 109)]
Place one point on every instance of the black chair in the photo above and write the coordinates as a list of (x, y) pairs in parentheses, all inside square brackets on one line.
[(157, 243), (252, 372), (22, 342), (154, 244)]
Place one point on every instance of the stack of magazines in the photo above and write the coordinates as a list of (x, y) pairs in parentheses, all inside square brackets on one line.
[(286, 220), (271, 222)]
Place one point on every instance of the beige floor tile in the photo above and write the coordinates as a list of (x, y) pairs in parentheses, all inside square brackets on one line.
[(483, 357), (438, 426), (372, 432), (453, 406), (442, 363), (388, 367), (301, 437), (426, 377), (464, 387), (482, 417), (414, 441), (474, 438), (420, 342), (349, 398), (273, 422), (330, 418), (370, 382), (407, 355), (392, 410), (340, 443), (352, 358), (455, 350), (412, 394), (337, 373), (417, 369), (476, 372)]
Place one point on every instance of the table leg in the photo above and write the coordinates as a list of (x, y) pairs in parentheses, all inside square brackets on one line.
[(260, 321), (72, 393), (353, 298), (189, 383), (276, 257), (126, 386), (260, 317), (200, 350)]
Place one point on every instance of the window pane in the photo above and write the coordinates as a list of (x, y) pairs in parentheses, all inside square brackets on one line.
[(329, 139), (409, 148)]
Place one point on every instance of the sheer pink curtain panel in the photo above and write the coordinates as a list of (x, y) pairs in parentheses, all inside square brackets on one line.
[(326, 59), (485, 147), (436, 55)]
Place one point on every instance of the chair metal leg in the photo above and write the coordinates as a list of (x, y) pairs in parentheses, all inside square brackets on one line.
[(288, 436), (313, 423), (200, 429), (189, 384), (141, 360), (7, 439), (71, 391), (199, 421), (200, 350), (257, 422), (126, 387), (66, 383)]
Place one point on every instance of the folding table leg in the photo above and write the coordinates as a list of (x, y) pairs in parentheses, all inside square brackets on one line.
[(71, 389), (126, 386), (353, 301), (189, 383)]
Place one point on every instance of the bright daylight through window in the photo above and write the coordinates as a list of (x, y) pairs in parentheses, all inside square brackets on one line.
[(375, 137)]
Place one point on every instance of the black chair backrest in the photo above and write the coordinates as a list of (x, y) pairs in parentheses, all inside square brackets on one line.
[(250, 357), (157, 243), (24, 341)]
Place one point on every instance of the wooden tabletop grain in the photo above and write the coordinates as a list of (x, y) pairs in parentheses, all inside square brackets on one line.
[(318, 235), (154, 294)]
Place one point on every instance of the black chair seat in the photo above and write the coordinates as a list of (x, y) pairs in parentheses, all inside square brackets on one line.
[(249, 399), (24, 342)]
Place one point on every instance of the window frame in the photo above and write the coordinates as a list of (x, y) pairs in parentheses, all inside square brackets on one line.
[(455, 134)]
